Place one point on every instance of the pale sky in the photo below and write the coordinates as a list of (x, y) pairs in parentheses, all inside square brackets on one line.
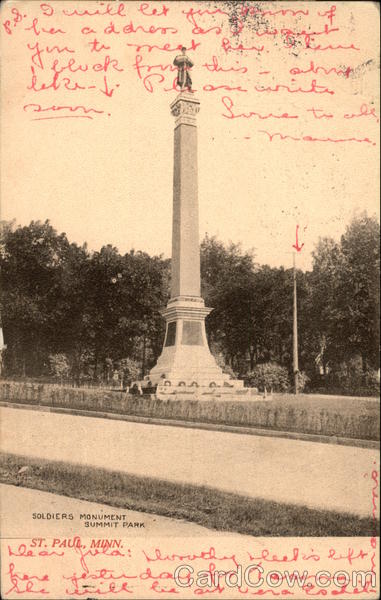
[(109, 179)]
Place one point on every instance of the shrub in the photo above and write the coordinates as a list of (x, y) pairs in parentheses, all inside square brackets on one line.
[(269, 376), (129, 370), (352, 381), (303, 380), (59, 366), (372, 381)]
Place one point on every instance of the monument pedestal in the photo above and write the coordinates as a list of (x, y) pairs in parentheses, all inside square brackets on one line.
[(186, 363)]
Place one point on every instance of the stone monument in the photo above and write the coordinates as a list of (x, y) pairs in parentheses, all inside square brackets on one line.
[(186, 365)]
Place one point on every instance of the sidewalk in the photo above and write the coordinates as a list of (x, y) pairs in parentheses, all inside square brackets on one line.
[(25, 503)]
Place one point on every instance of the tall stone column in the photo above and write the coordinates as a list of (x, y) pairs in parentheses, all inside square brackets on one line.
[(186, 365), (185, 234)]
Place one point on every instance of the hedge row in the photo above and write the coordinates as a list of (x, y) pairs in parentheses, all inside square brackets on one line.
[(352, 419)]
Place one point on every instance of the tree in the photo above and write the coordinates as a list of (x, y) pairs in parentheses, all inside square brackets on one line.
[(31, 268), (344, 295), (227, 285), (57, 298), (101, 308), (252, 317), (125, 295), (359, 288)]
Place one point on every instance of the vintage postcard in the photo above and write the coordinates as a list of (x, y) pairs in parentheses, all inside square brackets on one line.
[(189, 309)]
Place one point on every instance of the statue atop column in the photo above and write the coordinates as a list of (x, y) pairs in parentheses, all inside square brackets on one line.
[(183, 64)]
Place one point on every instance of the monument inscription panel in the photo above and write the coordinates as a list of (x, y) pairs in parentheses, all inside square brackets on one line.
[(192, 334)]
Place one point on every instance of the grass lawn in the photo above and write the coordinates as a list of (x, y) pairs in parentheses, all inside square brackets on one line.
[(343, 404), (211, 508), (361, 416), (308, 413)]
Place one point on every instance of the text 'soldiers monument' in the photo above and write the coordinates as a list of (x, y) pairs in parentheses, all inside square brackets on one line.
[(186, 364)]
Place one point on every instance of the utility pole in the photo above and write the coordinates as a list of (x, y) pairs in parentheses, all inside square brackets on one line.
[(295, 334), (2, 348)]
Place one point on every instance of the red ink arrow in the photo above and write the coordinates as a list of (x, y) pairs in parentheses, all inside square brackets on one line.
[(108, 92), (296, 245)]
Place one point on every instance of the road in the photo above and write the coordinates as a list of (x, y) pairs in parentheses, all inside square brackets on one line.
[(325, 476)]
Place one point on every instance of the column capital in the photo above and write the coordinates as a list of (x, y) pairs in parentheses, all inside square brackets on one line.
[(185, 108)]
